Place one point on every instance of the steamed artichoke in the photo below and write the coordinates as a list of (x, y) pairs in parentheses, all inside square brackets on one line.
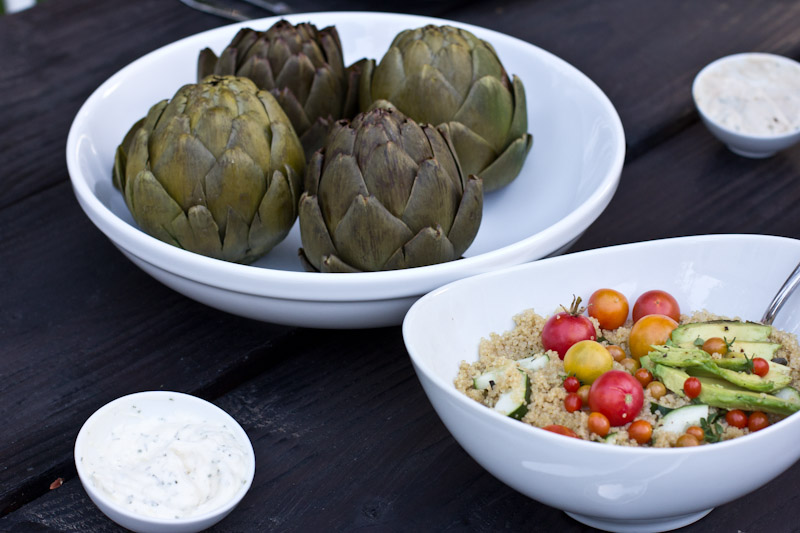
[(446, 75), (303, 68), (216, 170), (386, 193)]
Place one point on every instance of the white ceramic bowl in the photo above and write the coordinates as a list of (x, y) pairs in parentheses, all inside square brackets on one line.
[(609, 487), (568, 179), (93, 437), (754, 85)]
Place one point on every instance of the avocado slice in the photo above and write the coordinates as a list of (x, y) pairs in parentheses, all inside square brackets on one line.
[(724, 329), (700, 364), (719, 393)]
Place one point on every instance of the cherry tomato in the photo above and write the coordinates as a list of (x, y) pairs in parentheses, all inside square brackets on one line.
[(687, 440), (757, 421), (561, 430), (657, 389), (564, 329), (715, 345), (650, 330), (583, 392), (656, 303), (641, 431), (760, 366), (609, 307), (697, 432), (736, 418), (616, 352), (571, 384), (586, 360), (617, 395), (572, 402), (599, 424), (692, 387), (643, 376), (631, 365)]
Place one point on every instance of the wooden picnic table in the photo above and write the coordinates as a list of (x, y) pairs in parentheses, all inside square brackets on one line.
[(344, 436)]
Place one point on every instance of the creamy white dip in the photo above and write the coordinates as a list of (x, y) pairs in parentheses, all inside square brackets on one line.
[(754, 94), (169, 467)]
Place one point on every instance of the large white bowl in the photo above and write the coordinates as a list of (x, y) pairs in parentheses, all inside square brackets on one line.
[(568, 179), (606, 486)]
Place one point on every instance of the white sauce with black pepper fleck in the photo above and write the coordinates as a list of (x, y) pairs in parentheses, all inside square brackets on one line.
[(167, 467), (755, 94)]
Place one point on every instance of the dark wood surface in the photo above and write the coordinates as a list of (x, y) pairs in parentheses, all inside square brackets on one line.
[(344, 435)]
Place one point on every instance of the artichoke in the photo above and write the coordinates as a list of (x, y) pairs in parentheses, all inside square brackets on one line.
[(303, 68), (216, 170), (446, 75), (386, 193)]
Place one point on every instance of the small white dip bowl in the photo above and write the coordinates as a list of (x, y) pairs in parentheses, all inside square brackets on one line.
[(750, 102), (615, 488), (139, 438)]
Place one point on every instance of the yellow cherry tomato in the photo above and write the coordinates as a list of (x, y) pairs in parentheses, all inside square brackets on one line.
[(587, 360)]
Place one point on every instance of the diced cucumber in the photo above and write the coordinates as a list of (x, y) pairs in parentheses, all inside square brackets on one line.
[(678, 420), (534, 363), (514, 401), (487, 380), (790, 394)]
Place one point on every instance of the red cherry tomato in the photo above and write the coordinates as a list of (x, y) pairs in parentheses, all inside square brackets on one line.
[(692, 388), (643, 376), (656, 303), (561, 430), (736, 418), (571, 384), (760, 366), (618, 396), (572, 402), (564, 329), (609, 307), (757, 421)]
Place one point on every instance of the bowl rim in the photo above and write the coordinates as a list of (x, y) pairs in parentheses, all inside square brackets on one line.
[(576, 444), (363, 286), (734, 58), (199, 405)]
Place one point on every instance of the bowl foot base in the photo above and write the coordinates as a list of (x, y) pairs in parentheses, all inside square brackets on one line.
[(666, 523), (751, 155)]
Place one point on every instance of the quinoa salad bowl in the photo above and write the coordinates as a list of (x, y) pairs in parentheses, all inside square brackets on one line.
[(494, 373)]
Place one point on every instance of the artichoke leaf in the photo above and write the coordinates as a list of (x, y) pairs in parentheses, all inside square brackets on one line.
[(488, 111), (235, 242), (275, 216), (519, 122), (248, 136), (286, 147), (150, 205), (235, 182), (455, 63), (365, 89), (341, 181), (258, 69), (474, 153), (213, 129), (508, 165), (181, 168), (486, 63), (384, 79), (332, 264), (296, 76), (468, 217), (206, 62), (368, 234), (427, 97), (417, 55), (203, 236), (428, 247), (389, 174), (444, 153), (415, 141), (313, 232), (325, 96), (432, 182)]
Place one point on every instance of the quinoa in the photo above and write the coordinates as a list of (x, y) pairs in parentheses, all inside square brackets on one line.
[(546, 406)]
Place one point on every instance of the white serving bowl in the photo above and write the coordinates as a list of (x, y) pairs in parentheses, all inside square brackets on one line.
[(152, 405), (569, 177), (734, 79), (605, 486)]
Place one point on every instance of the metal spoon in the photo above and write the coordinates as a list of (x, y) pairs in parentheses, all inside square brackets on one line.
[(781, 296), (231, 13)]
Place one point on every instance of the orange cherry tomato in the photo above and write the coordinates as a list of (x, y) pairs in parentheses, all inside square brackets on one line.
[(609, 307), (631, 365), (657, 389), (599, 424), (687, 440), (641, 431), (648, 331), (616, 352), (561, 430), (697, 432), (757, 421), (656, 303), (715, 345), (583, 392), (643, 376)]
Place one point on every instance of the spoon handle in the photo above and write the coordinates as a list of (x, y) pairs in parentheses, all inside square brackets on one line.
[(781, 296)]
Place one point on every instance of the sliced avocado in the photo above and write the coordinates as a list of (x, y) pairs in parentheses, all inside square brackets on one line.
[(699, 364), (724, 329), (739, 349), (717, 393)]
